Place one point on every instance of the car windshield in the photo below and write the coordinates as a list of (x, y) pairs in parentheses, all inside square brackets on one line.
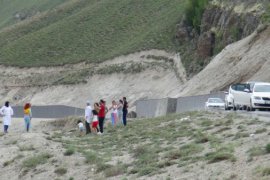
[(262, 88), (216, 100)]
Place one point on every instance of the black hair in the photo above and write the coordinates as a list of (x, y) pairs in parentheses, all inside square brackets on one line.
[(124, 98), (79, 121), (7, 104), (121, 101), (102, 101)]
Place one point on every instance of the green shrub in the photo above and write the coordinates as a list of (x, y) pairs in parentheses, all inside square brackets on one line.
[(69, 151), (60, 171), (36, 160), (259, 131), (266, 171), (267, 148), (256, 151), (194, 12)]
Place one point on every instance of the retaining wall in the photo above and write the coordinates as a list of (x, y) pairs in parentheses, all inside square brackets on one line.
[(54, 111), (155, 107), (195, 103), (160, 107)]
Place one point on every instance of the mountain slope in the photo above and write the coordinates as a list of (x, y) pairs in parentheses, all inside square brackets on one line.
[(95, 31), (242, 61), (17, 10)]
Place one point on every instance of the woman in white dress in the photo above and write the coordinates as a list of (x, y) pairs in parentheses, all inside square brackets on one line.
[(6, 111)]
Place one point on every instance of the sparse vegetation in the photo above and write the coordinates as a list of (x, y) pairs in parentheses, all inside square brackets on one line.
[(147, 147), (69, 151), (36, 160), (267, 148), (194, 12), (256, 151), (11, 142), (259, 131), (221, 154), (26, 148), (266, 171), (7, 163), (60, 171)]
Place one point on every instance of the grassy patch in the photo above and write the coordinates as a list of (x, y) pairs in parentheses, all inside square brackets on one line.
[(266, 171), (184, 151), (91, 31), (256, 151), (240, 135), (36, 160), (26, 148), (259, 131), (60, 171), (11, 142), (221, 154), (267, 148), (194, 12), (115, 170), (7, 163), (69, 151)]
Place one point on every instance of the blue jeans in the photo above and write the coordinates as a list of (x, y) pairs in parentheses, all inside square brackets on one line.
[(27, 123), (5, 128)]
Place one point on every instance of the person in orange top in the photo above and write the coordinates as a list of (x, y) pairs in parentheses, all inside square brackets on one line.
[(27, 116)]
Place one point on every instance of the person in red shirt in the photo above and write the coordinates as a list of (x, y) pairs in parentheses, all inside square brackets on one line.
[(101, 115)]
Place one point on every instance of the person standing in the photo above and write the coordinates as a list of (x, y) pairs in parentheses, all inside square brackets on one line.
[(6, 111), (27, 116), (95, 118), (101, 115), (88, 115), (120, 110), (114, 117), (125, 110)]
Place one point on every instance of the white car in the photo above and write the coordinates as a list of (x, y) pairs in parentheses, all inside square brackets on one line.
[(260, 96), (228, 101), (240, 94), (214, 103)]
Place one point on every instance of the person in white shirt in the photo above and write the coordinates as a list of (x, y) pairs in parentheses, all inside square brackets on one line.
[(88, 116), (6, 111)]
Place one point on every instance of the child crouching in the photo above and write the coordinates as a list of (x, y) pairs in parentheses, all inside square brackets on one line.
[(81, 127)]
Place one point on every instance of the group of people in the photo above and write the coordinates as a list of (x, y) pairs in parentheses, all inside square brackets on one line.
[(95, 116), (7, 112)]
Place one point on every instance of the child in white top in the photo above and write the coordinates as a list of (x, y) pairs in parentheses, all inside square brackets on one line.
[(81, 127)]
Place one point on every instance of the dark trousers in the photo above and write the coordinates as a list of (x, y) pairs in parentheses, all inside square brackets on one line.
[(27, 127), (125, 112), (5, 128), (101, 123), (87, 127)]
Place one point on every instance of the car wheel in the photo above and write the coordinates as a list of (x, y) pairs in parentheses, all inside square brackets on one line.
[(251, 108), (226, 107), (234, 107)]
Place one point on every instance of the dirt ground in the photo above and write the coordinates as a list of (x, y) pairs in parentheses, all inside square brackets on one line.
[(227, 146)]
